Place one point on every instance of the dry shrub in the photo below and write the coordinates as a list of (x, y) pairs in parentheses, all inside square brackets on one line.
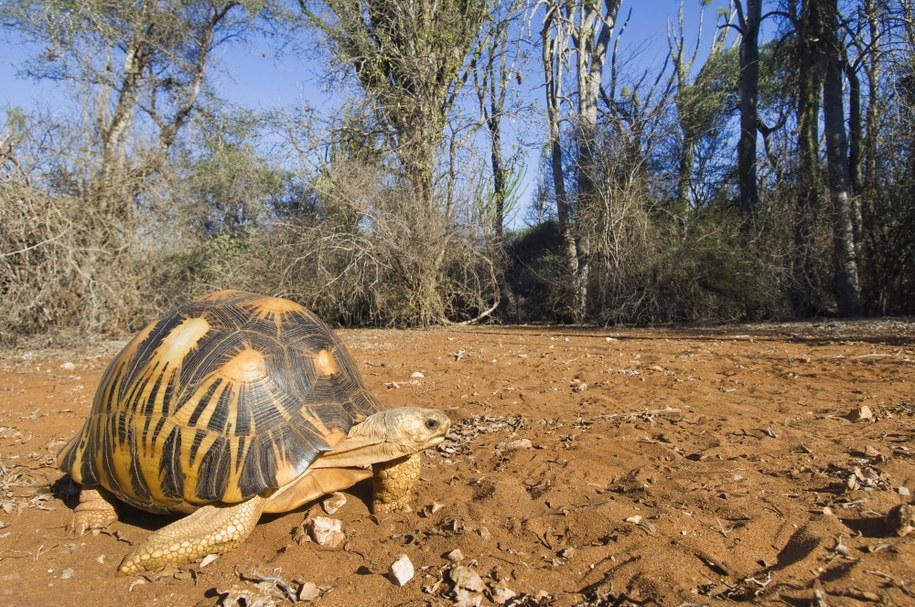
[(372, 255), (54, 274), (391, 275), (535, 274)]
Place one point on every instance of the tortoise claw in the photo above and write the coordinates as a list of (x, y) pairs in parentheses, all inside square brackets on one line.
[(93, 512)]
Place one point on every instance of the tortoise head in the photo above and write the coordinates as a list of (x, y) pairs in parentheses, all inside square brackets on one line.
[(387, 435), (411, 428)]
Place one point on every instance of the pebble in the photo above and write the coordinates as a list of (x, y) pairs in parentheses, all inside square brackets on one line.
[(903, 491), (417, 375), (68, 366), (513, 445), (401, 571), (502, 595), (466, 578), (308, 592), (862, 414), (325, 531), (333, 502), (455, 556)]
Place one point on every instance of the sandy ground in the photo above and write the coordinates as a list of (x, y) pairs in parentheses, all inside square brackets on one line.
[(585, 467)]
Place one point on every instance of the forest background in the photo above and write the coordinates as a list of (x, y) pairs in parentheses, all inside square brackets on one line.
[(485, 160)]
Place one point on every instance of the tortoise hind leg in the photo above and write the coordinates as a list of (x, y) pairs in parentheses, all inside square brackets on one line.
[(94, 511), (209, 530)]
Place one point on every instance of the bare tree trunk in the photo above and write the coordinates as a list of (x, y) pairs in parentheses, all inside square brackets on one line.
[(809, 87), (592, 40), (108, 200), (749, 94), (492, 91), (553, 43), (847, 289), (872, 119), (855, 133)]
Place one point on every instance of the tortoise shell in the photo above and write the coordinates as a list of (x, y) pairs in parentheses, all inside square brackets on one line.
[(226, 397)]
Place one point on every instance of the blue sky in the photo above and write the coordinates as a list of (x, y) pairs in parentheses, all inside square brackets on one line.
[(251, 75)]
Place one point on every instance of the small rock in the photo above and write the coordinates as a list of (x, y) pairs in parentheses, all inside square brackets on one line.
[(870, 451), (401, 571), (466, 578), (518, 443), (465, 598), (903, 491), (455, 556), (580, 387), (861, 415), (417, 375), (68, 366), (208, 559), (852, 482), (136, 582), (635, 519), (67, 573), (308, 592), (333, 502), (900, 520), (501, 595), (325, 531)]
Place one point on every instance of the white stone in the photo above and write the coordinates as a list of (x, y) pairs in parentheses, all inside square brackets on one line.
[(325, 531), (333, 502), (467, 578), (401, 571)]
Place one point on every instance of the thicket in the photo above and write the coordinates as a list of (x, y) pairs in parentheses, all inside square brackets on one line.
[(153, 191)]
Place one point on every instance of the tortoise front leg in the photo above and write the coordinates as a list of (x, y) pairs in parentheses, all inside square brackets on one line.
[(209, 530), (392, 484), (94, 511)]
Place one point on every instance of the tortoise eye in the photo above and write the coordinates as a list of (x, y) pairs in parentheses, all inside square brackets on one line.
[(431, 424)]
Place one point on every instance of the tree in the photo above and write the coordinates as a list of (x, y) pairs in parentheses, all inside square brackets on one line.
[(408, 59), (579, 30), (848, 295), (700, 103), (139, 71), (808, 22), (493, 71), (149, 57), (748, 23)]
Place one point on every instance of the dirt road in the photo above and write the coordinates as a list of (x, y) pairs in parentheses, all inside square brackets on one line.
[(586, 467)]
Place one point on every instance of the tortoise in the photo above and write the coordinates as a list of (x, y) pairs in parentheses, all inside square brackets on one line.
[(230, 406)]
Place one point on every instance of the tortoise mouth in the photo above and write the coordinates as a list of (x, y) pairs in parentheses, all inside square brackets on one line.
[(435, 441)]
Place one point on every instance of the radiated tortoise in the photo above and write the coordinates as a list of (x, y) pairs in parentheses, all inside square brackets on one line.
[(230, 406)]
